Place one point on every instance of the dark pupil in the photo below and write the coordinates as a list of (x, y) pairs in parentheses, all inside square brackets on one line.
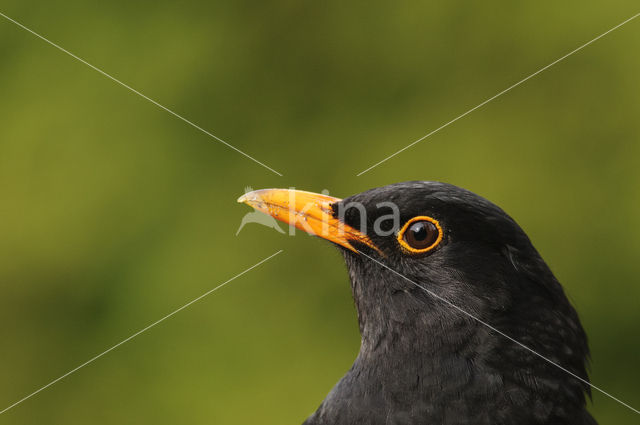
[(421, 234), (419, 231)]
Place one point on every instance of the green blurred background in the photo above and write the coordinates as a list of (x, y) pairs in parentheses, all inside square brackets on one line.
[(114, 213)]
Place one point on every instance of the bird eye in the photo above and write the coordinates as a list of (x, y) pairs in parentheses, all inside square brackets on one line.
[(420, 234)]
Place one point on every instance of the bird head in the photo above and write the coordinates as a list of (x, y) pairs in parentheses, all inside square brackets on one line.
[(444, 280)]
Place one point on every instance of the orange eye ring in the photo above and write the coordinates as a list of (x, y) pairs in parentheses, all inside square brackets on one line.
[(405, 245)]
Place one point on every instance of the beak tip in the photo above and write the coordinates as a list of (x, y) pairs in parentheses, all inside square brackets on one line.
[(251, 198)]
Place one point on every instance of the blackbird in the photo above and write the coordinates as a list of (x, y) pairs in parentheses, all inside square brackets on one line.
[(461, 320)]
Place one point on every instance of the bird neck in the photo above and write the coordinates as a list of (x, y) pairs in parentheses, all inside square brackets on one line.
[(415, 345), (421, 361), (405, 331)]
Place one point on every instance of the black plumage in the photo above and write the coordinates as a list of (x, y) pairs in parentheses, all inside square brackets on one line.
[(422, 361)]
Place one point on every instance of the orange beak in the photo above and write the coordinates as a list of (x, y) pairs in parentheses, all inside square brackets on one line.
[(306, 211)]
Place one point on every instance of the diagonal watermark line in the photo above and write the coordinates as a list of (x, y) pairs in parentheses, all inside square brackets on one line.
[(112, 78), (499, 94), (138, 333), (482, 322)]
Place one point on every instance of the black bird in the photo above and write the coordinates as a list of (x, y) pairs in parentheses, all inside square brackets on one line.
[(443, 282)]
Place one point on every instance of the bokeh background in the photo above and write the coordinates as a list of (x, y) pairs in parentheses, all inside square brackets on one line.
[(113, 213)]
